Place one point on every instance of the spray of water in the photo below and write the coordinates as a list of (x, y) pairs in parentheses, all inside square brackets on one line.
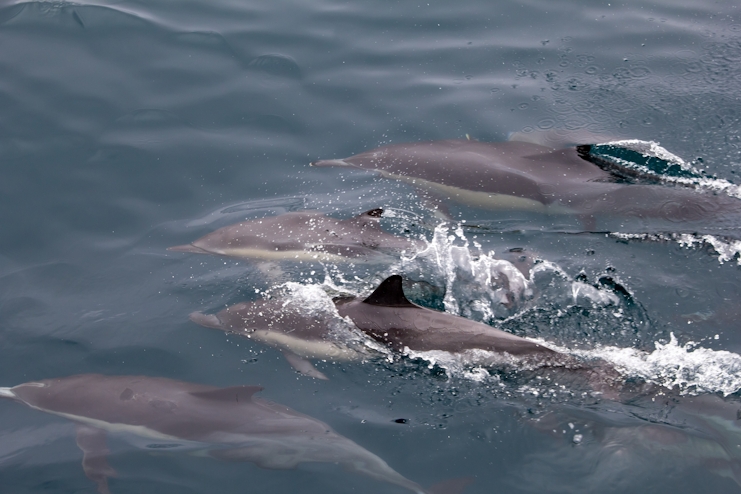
[(479, 285), (727, 250)]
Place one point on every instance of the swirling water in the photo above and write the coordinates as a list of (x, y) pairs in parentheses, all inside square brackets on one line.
[(128, 127)]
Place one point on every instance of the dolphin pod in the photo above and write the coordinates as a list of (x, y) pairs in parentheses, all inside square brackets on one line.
[(233, 424), (386, 316), (304, 235), (525, 176), (227, 423)]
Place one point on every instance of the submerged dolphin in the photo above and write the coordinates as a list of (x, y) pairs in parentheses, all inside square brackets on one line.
[(386, 316), (305, 235), (229, 423), (298, 333), (524, 176), (681, 430)]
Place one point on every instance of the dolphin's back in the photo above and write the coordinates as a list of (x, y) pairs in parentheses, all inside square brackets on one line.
[(422, 329), (386, 315), (163, 406), (301, 234)]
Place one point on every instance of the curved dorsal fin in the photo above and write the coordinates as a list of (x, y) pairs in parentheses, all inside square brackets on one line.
[(236, 394), (389, 294)]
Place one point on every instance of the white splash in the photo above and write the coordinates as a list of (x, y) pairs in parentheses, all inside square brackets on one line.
[(651, 148), (727, 250), (598, 297), (691, 368), (450, 260), (654, 149), (485, 279), (313, 300), (307, 298), (469, 364)]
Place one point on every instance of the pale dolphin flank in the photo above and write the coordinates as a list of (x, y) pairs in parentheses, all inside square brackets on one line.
[(298, 333), (228, 423), (305, 235), (526, 176)]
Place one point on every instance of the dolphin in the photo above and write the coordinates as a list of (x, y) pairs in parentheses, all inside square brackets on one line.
[(299, 334), (388, 317), (227, 423), (526, 176), (304, 235), (682, 429), (385, 316)]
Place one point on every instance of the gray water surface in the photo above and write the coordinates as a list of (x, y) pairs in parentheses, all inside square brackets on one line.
[(127, 127)]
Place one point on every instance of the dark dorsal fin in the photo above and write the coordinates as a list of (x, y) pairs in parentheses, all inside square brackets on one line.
[(236, 394), (389, 294)]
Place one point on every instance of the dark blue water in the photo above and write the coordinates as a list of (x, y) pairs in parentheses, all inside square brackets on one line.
[(128, 127)]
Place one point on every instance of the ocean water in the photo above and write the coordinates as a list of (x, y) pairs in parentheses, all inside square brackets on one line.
[(127, 127)]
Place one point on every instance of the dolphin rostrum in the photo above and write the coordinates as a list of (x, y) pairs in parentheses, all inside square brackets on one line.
[(386, 316), (228, 423), (304, 235), (525, 176)]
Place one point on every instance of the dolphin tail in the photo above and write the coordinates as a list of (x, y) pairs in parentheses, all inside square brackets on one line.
[(207, 320), (7, 393), (187, 248)]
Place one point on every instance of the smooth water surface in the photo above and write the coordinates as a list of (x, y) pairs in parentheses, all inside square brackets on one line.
[(127, 127)]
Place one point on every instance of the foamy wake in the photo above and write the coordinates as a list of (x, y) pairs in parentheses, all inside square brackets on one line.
[(727, 250), (653, 149), (689, 367), (451, 261)]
